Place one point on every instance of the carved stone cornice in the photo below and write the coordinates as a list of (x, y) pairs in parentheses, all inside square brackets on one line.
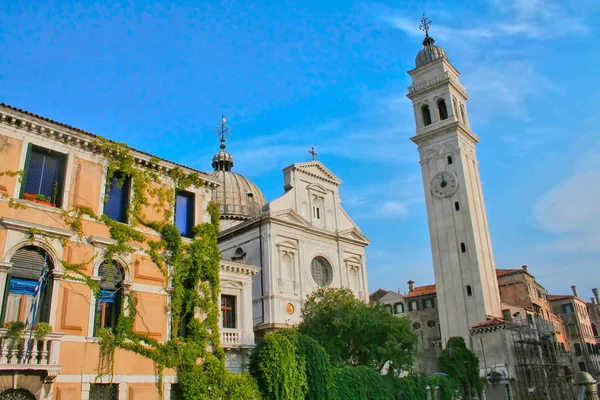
[(24, 226)]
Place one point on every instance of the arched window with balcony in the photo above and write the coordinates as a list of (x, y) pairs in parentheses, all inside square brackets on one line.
[(29, 289), (442, 109), (426, 114), (108, 306)]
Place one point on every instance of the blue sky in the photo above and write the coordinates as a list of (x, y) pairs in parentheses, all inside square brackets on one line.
[(289, 75)]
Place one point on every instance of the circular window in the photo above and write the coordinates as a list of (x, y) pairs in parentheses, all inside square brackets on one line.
[(321, 271), (431, 323), (416, 326)]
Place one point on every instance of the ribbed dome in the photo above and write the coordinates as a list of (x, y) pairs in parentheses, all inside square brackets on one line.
[(429, 53), (237, 196)]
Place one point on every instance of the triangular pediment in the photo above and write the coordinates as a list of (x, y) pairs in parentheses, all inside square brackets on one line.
[(290, 215), (355, 234), (229, 284), (317, 170)]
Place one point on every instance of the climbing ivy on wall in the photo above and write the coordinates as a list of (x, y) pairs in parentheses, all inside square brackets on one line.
[(191, 272)]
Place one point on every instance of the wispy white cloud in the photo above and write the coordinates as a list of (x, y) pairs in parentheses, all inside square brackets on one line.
[(532, 19), (571, 210)]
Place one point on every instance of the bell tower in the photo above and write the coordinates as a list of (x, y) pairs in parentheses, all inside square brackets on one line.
[(465, 273)]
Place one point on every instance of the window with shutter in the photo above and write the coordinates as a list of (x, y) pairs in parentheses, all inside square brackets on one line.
[(184, 213), (108, 306), (44, 175), (31, 272), (117, 197)]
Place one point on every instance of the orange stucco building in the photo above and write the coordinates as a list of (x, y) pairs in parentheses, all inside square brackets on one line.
[(64, 170)]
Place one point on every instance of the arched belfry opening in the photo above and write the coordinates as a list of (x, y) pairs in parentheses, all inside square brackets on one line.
[(442, 109), (426, 114)]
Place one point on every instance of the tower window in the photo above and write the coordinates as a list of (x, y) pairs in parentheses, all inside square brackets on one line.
[(463, 247), (469, 291), (456, 206), (426, 115), (442, 109), (449, 159)]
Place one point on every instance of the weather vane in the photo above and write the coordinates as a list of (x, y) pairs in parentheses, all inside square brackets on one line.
[(222, 131), (425, 25), (313, 153)]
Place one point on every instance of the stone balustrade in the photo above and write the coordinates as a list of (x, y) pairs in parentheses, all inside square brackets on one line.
[(29, 352), (231, 337)]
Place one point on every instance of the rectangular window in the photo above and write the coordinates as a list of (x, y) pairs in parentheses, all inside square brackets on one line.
[(582, 366), (117, 197), (540, 294), (428, 303), (577, 349), (104, 391), (413, 306), (399, 307), (567, 308), (506, 315), (184, 213), (44, 176), (228, 311)]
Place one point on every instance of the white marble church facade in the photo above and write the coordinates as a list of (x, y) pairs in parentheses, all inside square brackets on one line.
[(302, 240)]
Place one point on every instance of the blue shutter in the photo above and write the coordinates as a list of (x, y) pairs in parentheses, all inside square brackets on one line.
[(184, 213), (116, 206), (22, 286), (107, 296), (44, 172)]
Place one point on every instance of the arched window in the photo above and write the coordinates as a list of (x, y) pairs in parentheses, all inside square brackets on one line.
[(16, 394), (29, 288), (463, 247), (449, 160), (456, 206), (239, 254), (108, 307), (426, 115), (321, 271), (469, 291), (443, 111)]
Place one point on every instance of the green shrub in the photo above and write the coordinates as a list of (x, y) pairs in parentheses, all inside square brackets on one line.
[(363, 383)]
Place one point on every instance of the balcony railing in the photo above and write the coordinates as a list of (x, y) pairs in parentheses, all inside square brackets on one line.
[(231, 338), (30, 353)]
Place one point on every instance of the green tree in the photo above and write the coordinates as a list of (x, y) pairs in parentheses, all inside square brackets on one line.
[(461, 364), (355, 333)]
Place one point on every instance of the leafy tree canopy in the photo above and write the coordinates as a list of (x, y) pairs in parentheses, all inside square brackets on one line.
[(461, 364), (355, 333)]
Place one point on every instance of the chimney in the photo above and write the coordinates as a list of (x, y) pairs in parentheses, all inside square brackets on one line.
[(525, 268), (574, 288), (595, 291), (411, 286), (593, 301)]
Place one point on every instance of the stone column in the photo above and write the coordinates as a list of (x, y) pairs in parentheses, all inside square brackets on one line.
[(4, 269), (588, 387)]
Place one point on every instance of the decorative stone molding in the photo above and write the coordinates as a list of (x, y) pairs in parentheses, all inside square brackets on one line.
[(237, 267), (100, 241), (5, 266), (23, 226)]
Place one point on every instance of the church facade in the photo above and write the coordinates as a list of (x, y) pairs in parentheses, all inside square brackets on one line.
[(302, 240)]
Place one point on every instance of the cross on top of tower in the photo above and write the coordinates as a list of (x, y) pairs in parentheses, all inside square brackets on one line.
[(313, 153), (425, 25), (222, 131)]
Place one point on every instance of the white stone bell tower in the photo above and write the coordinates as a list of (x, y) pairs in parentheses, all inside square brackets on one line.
[(465, 273)]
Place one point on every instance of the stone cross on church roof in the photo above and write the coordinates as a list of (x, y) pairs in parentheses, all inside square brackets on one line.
[(313, 153)]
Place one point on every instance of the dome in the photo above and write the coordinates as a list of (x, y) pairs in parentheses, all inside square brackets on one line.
[(429, 53), (239, 199), (237, 196)]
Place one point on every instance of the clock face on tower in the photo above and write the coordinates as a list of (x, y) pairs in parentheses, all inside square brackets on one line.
[(444, 184)]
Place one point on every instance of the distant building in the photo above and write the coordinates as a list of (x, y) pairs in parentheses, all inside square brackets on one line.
[(580, 333)]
